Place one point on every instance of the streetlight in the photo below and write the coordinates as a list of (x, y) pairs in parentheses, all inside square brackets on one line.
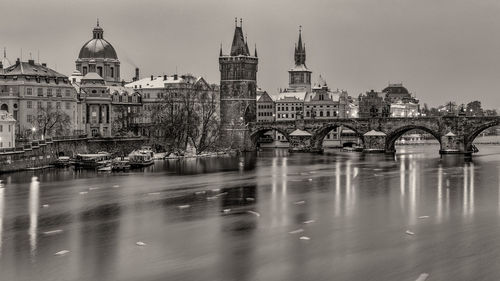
[(33, 130)]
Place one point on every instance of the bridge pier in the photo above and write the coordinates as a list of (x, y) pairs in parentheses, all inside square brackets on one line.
[(301, 141), (375, 142), (452, 144)]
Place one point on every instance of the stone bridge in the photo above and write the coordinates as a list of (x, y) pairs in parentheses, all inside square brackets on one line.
[(454, 133)]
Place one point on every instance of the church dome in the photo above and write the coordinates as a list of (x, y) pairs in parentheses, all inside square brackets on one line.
[(97, 47)]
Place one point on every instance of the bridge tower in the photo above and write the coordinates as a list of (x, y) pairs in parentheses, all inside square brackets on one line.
[(238, 91)]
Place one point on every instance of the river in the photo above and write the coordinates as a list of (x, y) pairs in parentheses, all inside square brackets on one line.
[(265, 216)]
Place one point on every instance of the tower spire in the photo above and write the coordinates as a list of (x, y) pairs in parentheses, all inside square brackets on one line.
[(300, 51), (255, 54), (220, 53), (97, 21), (239, 46)]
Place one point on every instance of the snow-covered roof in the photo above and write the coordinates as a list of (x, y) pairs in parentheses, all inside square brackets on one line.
[(450, 134), (374, 133), (92, 76), (120, 90), (301, 67), (333, 96), (289, 96), (300, 132), (159, 81)]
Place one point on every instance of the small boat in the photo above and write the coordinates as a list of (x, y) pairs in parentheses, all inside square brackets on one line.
[(105, 169), (63, 161), (140, 158), (92, 161), (120, 165)]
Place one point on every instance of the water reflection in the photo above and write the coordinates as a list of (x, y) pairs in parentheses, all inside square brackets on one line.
[(1, 216), (231, 218), (33, 214)]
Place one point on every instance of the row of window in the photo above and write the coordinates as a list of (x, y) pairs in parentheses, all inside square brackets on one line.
[(265, 106), (1, 144), (321, 114), (40, 92), (286, 115), (292, 108), (9, 128), (264, 113), (29, 104)]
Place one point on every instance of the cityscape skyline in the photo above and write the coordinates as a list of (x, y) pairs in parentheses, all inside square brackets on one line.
[(450, 67)]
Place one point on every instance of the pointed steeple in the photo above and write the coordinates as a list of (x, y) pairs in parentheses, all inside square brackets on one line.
[(220, 53), (300, 50), (255, 54), (239, 46), (299, 44)]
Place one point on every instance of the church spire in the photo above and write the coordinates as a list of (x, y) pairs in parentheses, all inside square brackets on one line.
[(300, 50), (239, 46)]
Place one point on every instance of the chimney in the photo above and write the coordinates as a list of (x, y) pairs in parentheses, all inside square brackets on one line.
[(18, 61), (31, 62), (175, 77), (164, 77), (152, 78), (136, 74), (44, 64)]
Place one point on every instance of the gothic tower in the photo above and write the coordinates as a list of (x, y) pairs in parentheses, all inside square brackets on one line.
[(238, 88), (300, 75)]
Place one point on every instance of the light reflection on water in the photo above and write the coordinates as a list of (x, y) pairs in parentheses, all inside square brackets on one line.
[(230, 218)]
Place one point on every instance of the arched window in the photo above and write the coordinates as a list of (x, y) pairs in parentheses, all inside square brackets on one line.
[(4, 107)]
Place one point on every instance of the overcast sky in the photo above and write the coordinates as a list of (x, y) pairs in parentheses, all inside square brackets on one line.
[(440, 49)]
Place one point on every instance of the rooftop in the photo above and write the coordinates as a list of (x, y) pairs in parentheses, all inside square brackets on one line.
[(30, 68), (160, 81)]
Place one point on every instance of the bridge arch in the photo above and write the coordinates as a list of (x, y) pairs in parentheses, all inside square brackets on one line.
[(469, 138), (320, 133), (395, 134), (257, 133)]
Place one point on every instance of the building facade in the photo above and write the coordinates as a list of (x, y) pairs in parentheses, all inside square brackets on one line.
[(265, 108), (373, 104), (7, 130), (238, 88), (155, 90), (35, 94)]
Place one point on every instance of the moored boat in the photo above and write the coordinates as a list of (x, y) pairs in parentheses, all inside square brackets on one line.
[(140, 158), (63, 161), (92, 161), (120, 165)]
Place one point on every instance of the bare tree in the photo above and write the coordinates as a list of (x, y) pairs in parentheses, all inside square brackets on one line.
[(205, 129), (50, 122), (187, 116), (126, 117)]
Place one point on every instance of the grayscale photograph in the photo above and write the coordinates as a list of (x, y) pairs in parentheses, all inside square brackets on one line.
[(231, 140)]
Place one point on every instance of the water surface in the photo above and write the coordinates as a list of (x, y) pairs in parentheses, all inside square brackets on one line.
[(270, 216)]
